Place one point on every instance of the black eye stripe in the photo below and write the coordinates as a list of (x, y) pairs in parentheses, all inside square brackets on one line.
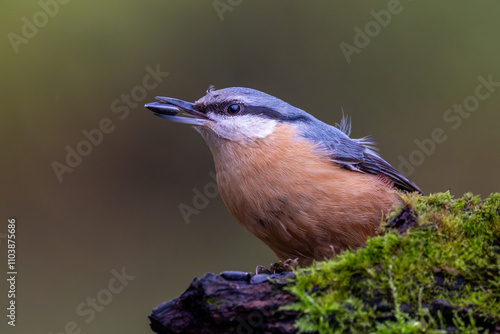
[(250, 110), (273, 114)]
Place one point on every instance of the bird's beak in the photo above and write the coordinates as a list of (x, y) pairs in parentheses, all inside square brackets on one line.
[(168, 108)]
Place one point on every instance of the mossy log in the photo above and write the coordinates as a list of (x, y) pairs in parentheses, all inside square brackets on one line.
[(434, 268), (233, 302)]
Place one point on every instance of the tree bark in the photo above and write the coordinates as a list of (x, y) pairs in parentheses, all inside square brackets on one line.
[(233, 302)]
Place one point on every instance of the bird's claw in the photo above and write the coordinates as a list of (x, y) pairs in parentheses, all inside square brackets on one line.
[(278, 267)]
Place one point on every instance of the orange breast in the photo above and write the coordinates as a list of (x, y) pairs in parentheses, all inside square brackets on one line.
[(289, 194)]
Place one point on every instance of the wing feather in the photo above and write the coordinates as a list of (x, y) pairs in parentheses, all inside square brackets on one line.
[(355, 155)]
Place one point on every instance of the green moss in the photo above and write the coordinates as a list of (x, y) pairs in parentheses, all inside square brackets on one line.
[(443, 272), (214, 303)]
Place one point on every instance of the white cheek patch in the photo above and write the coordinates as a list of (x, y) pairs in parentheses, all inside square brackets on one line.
[(242, 128)]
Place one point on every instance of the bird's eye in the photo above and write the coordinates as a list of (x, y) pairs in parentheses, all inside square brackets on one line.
[(233, 109)]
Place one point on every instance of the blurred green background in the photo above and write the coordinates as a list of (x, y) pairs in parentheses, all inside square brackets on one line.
[(118, 208)]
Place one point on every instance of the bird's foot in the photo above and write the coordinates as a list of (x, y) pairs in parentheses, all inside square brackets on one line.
[(278, 267)]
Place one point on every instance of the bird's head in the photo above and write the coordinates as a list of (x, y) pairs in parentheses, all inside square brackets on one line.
[(236, 114)]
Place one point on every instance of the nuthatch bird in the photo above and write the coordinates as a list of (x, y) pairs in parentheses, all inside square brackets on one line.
[(303, 187)]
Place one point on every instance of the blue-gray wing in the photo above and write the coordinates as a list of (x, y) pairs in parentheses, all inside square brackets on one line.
[(354, 155)]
